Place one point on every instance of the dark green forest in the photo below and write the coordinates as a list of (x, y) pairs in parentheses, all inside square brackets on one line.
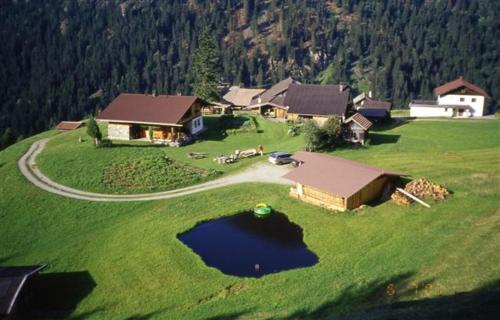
[(65, 59)]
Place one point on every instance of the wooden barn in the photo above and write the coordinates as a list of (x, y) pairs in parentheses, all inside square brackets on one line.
[(337, 183), (271, 103)]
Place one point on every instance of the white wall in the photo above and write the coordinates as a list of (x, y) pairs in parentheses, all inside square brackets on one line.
[(196, 125), (418, 111), (454, 99)]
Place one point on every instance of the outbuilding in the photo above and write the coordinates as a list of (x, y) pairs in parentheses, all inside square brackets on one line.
[(337, 183)]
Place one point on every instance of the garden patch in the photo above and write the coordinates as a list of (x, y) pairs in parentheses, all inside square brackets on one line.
[(153, 172)]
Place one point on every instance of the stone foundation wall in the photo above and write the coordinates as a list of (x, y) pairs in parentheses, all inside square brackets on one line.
[(118, 131)]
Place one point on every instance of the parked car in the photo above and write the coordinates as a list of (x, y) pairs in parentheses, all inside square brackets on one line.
[(280, 157)]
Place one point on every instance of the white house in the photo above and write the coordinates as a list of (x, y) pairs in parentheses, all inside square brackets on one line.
[(458, 98)]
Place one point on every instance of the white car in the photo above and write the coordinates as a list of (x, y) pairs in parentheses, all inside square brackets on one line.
[(280, 157)]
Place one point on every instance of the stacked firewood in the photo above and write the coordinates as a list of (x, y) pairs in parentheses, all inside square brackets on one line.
[(421, 188)]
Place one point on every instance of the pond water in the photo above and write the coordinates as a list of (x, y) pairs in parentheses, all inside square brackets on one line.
[(247, 246)]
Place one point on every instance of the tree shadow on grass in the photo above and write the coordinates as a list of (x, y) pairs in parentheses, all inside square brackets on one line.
[(378, 139), (55, 295), (230, 316), (382, 300)]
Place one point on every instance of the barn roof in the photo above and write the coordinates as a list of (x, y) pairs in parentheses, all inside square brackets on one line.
[(360, 120), (271, 94), (142, 108), (324, 100), (339, 176), (377, 104), (457, 84), (241, 96), (68, 125), (12, 280)]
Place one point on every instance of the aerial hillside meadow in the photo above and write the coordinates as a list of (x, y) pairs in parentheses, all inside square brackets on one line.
[(124, 260)]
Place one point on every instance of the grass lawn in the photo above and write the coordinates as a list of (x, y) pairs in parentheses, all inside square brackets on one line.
[(123, 260), (83, 166)]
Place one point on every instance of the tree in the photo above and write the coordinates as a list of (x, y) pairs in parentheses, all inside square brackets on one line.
[(314, 136), (93, 131), (333, 130), (205, 67)]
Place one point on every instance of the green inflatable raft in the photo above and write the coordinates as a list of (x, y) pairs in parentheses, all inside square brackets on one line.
[(262, 210)]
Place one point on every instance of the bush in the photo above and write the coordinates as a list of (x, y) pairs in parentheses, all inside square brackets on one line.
[(314, 136), (93, 131)]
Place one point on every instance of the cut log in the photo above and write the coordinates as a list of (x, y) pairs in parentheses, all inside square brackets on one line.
[(413, 197)]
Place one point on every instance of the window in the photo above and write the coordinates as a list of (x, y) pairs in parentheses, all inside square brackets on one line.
[(462, 99), (473, 99)]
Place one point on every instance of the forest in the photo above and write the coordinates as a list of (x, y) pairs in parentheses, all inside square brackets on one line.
[(66, 59)]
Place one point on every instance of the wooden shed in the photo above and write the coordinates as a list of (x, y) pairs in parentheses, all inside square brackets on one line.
[(355, 128), (336, 183)]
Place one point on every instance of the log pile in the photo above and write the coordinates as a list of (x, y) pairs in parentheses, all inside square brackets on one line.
[(421, 188)]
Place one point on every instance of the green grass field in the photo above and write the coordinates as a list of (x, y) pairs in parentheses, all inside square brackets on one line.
[(82, 165), (123, 260)]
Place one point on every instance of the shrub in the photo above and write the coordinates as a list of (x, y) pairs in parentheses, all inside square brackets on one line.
[(314, 136), (93, 131)]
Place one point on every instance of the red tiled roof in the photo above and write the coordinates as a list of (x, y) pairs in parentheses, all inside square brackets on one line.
[(68, 125), (141, 108), (360, 120), (339, 176), (457, 84)]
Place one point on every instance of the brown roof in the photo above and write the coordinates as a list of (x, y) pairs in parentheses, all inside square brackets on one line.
[(457, 84), (68, 125), (360, 120), (324, 100), (376, 104), (241, 96), (271, 94), (339, 176), (141, 108)]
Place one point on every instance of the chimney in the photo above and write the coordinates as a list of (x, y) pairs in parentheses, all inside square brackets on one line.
[(461, 78), (153, 93), (369, 94), (259, 100), (341, 88)]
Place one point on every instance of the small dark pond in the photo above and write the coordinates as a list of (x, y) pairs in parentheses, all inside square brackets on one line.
[(246, 246)]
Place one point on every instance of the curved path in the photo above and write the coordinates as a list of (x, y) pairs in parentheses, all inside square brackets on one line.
[(261, 172)]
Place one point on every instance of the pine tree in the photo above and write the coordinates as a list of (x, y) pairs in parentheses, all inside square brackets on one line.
[(206, 68)]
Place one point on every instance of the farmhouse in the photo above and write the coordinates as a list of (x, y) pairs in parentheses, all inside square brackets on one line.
[(171, 118), (336, 183), (458, 98), (317, 102), (355, 128), (241, 98), (271, 103)]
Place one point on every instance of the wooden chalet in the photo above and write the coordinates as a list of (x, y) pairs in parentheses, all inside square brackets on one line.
[(317, 102), (171, 118), (336, 183)]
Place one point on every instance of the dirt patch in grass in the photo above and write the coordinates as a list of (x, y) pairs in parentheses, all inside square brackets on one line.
[(153, 173)]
